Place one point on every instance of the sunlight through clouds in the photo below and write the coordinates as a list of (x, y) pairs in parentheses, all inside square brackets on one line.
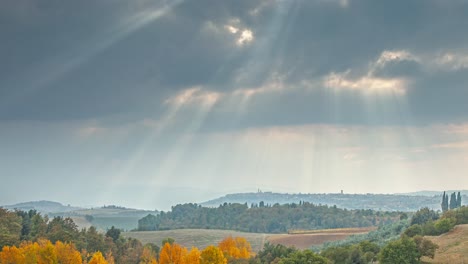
[(366, 84)]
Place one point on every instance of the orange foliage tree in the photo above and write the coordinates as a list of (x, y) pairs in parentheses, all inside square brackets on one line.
[(11, 255), (42, 252), (235, 248), (193, 257), (172, 254)]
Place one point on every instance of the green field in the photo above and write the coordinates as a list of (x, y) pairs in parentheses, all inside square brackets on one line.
[(200, 238)]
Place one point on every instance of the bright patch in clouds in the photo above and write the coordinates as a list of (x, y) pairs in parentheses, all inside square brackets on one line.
[(453, 61), (397, 55), (365, 84), (194, 96), (243, 36)]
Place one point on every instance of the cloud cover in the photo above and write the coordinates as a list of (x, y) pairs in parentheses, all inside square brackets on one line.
[(155, 76)]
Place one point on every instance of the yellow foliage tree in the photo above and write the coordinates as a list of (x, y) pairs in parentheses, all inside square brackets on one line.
[(193, 257), (67, 253), (42, 252), (235, 248), (212, 255), (97, 259), (172, 254), (148, 256)]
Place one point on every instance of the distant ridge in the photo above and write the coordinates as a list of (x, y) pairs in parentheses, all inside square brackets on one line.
[(44, 207), (385, 202)]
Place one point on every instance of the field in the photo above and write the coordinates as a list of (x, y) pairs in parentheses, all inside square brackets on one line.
[(203, 237), (453, 246)]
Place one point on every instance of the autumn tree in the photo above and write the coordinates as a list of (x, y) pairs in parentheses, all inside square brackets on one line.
[(172, 254), (148, 256), (11, 255), (235, 248), (98, 258), (212, 255), (67, 253), (193, 256)]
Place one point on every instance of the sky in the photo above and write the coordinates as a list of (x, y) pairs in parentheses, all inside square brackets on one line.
[(150, 103)]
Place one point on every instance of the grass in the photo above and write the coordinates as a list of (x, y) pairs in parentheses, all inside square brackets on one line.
[(201, 238), (453, 246)]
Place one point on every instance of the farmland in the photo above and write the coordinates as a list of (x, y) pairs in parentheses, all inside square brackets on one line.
[(203, 237)]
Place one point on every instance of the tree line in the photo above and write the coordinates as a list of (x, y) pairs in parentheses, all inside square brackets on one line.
[(263, 218), (455, 201), (32, 232)]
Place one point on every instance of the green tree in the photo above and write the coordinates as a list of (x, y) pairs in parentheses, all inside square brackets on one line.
[(10, 228), (113, 233), (425, 246), (168, 240), (458, 200), (402, 251), (306, 256), (423, 215), (444, 204), (453, 201)]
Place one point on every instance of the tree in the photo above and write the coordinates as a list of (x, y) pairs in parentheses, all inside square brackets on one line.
[(212, 255), (425, 246), (444, 204), (306, 256), (148, 256), (97, 259), (453, 201), (114, 233), (458, 200), (10, 228), (423, 215), (169, 240), (67, 253), (193, 257), (403, 251), (172, 254), (235, 248), (11, 255)]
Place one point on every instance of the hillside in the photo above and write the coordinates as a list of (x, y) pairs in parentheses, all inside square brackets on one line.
[(105, 217), (43, 207), (203, 237), (453, 246), (383, 202), (100, 217)]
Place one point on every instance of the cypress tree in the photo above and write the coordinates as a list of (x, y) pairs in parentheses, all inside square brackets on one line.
[(453, 201), (444, 203), (459, 200)]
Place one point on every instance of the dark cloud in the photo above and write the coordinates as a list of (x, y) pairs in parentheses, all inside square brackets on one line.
[(86, 59)]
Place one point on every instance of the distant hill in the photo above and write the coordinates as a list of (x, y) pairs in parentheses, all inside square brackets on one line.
[(100, 217), (384, 202), (44, 207), (433, 193)]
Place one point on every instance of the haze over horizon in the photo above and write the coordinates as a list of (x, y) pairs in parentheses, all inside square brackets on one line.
[(149, 103)]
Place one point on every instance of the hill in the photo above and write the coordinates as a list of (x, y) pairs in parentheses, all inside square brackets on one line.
[(203, 237), (453, 246), (105, 217), (101, 217), (382, 202), (43, 207)]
